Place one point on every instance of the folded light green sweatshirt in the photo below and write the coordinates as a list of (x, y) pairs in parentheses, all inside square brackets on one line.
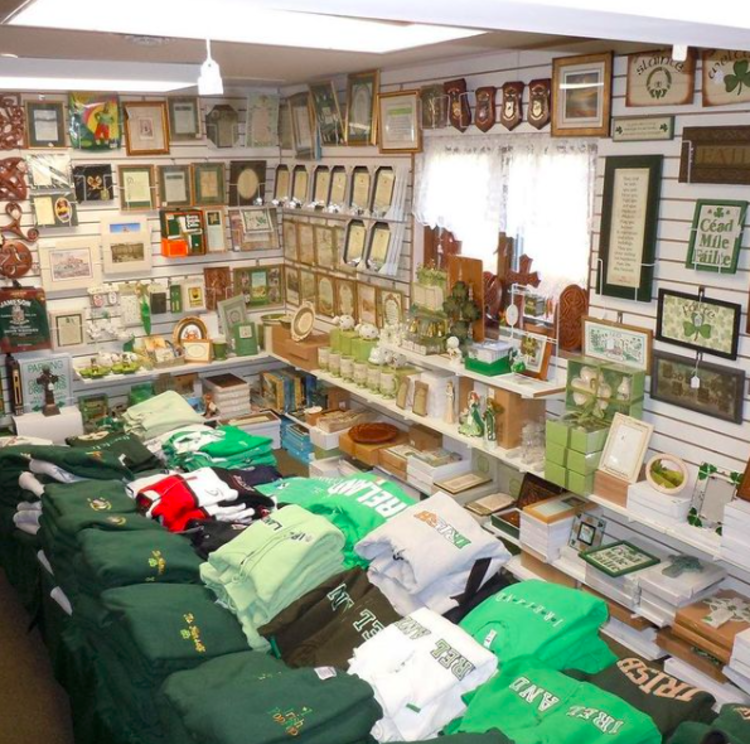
[(271, 564), (159, 415)]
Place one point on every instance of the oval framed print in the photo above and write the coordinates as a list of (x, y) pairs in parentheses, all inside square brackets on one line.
[(189, 329), (303, 321), (667, 474)]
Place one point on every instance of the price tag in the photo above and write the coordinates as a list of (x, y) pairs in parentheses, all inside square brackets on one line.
[(695, 382)]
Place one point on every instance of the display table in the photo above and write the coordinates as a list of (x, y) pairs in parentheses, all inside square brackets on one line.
[(57, 428)]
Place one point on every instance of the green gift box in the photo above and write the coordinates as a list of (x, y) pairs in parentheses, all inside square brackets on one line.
[(361, 349), (557, 454), (491, 369), (555, 473), (588, 439), (581, 485), (581, 463), (558, 432), (335, 337), (346, 339)]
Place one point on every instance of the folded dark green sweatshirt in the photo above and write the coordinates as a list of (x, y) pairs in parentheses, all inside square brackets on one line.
[(731, 727), (233, 700)]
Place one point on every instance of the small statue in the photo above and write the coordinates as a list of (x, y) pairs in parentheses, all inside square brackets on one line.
[(472, 426), (454, 352), (490, 421), (211, 409), (450, 409), (47, 380)]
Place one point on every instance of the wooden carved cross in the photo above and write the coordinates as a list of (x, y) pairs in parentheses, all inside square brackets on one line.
[(48, 380), (524, 276)]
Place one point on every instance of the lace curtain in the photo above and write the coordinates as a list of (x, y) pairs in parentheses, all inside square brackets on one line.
[(535, 188)]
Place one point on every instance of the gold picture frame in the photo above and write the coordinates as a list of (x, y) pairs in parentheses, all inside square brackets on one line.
[(394, 111), (362, 90), (146, 128)]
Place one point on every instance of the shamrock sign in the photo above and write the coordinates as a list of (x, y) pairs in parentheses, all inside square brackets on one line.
[(697, 326), (739, 78)]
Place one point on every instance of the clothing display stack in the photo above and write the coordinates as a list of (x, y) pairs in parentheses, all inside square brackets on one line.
[(674, 583), (165, 413), (732, 726), (230, 393), (735, 533), (738, 669)]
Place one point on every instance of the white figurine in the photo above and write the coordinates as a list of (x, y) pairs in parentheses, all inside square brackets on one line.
[(450, 409), (454, 352)]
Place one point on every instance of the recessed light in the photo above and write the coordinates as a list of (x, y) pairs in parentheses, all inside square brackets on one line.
[(8, 55)]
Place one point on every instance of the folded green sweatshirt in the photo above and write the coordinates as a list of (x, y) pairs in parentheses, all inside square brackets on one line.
[(271, 564), (732, 726)]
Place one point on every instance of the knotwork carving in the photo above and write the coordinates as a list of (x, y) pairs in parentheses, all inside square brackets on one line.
[(15, 213), (12, 123), (13, 185)]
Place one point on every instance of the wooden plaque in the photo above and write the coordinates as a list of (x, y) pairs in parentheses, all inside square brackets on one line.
[(715, 155), (572, 307), (459, 111), (511, 113), (540, 93), (484, 113)]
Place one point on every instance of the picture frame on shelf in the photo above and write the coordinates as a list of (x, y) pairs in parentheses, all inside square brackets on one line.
[(223, 125), (625, 448), (191, 328), (699, 323), (630, 213), (716, 235), (655, 79), (174, 186), (667, 474), (355, 243), (245, 339), (300, 183), (231, 312), (359, 194), (714, 489), (215, 225), (402, 394), (346, 297), (54, 209), (253, 228), (325, 295), (307, 287), (306, 243), (399, 125), (282, 191), (247, 182), (49, 170), (184, 118), (321, 184), (587, 532), (582, 95), (289, 234), (137, 187), (67, 329), (72, 263), (126, 244), (721, 390), (339, 186), (362, 91), (378, 246), (197, 352), (367, 307), (45, 124), (536, 351), (208, 184), (434, 103), (262, 120), (390, 307), (193, 294), (291, 278), (95, 121), (325, 247), (383, 191), (146, 128), (421, 397), (619, 558), (325, 104), (617, 342), (93, 183), (303, 126)]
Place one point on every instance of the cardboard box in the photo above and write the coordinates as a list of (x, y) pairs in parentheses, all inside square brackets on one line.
[(512, 412), (545, 571), (611, 488), (301, 354), (423, 439), (556, 474), (368, 453), (583, 464), (680, 649), (582, 485), (557, 454)]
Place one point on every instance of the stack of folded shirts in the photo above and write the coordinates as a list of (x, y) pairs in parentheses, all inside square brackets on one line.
[(420, 667), (732, 725), (431, 555), (247, 697), (272, 564), (735, 533), (650, 505), (144, 633), (125, 447), (159, 415), (676, 582), (738, 669), (225, 447)]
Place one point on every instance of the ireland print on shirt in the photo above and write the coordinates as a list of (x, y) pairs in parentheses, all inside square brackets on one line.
[(372, 495), (448, 531), (655, 682), (534, 695), (452, 660)]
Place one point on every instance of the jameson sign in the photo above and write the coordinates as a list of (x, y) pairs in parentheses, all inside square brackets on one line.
[(726, 77), (23, 320), (716, 236), (655, 79)]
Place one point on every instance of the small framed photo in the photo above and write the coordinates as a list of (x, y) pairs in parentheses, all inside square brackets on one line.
[(399, 122), (626, 448), (281, 187), (300, 183), (174, 186), (325, 105), (617, 342), (587, 532), (378, 246), (197, 352), (325, 247), (93, 183), (419, 406), (302, 125), (390, 307), (247, 182), (54, 209), (215, 230), (325, 295), (536, 352), (184, 118), (67, 328), (45, 124), (70, 264), (367, 308), (581, 95), (346, 297), (126, 244), (146, 128), (355, 243), (619, 559), (193, 295), (137, 187), (208, 184), (361, 108), (714, 489), (231, 312)]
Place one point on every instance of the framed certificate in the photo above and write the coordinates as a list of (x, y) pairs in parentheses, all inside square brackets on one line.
[(325, 295), (346, 297), (305, 243), (289, 232), (380, 243), (321, 184), (146, 128), (281, 191), (382, 194), (184, 118), (174, 186), (361, 100), (67, 328), (338, 185), (136, 187), (216, 230), (367, 310), (355, 243), (208, 184), (292, 286), (300, 184), (360, 192), (302, 125), (399, 127), (325, 247), (45, 124), (307, 286)]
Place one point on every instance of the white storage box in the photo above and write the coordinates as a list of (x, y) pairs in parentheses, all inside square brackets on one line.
[(328, 468), (324, 439), (266, 425)]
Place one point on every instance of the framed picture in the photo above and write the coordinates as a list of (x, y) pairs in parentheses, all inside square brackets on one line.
[(346, 297), (642, 128), (245, 339), (327, 114), (359, 195), (355, 243), (616, 342), (402, 394), (390, 307), (534, 489), (720, 390), (191, 328), (419, 407), (136, 187), (302, 126), (54, 209), (587, 532), (655, 79), (193, 294), (619, 559), (197, 352), (49, 171), (282, 184), (716, 235), (262, 122), (536, 351), (339, 183), (222, 125), (174, 186), (725, 77), (399, 122), (45, 124), (714, 489), (306, 243), (218, 283), (367, 307), (291, 276), (325, 295), (182, 229), (231, 312), (361, 107), (59, 365), (67, 328), (434, 107), (630, 211), (307, 287), (23, 320), (321, 184), (300, 183), (581, 95), (184, 118), (93, 183), (95, 122), (72, 263), (216, 230), (260, 286), (253, 228), (208, 184), (382, 192), (378, 246), (625, 449), (325, 247), (667, 474), (289, 235), (126, 244), (146, 128), (247, 182), (699, 323)]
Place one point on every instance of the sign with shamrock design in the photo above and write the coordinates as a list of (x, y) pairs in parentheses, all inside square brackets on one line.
[(716, 236), (726, 77)]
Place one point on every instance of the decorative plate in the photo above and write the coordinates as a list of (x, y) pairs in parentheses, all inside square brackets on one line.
[(189, 329), (303, 322), (377, 433)]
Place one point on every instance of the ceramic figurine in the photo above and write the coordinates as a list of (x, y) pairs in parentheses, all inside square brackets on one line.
[(450, 409), (454, 352), (490, 421), (473, 426)]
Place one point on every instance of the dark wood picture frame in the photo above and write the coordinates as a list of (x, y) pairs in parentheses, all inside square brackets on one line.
[(238, 169), (31, 140), (653, 164)]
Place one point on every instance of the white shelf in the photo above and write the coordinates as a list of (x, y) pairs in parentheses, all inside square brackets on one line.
[(526, 387), (325, 214), (183, 369)]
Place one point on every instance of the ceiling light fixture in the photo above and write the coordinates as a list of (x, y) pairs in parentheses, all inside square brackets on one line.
[(210, 82), (236, 21)]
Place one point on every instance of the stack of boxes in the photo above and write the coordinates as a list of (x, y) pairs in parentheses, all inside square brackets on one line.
[(230, 393), (735, 533), (646, 503), (546, 525), (595, 392), (295, 439), (738, 669)]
